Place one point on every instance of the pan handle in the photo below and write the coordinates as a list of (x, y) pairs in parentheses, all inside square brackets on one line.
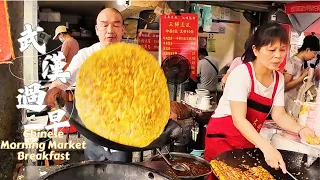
[(292, 176), (164, 157)]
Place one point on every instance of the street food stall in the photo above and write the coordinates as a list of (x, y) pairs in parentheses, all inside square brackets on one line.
[(154, 114), (160, 110)]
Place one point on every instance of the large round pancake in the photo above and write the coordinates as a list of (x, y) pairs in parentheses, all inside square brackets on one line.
[(122, 95)]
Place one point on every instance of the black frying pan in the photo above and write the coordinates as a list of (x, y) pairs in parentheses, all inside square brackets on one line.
[(254, 157), (171, 132), (90, 170), (165, 138)]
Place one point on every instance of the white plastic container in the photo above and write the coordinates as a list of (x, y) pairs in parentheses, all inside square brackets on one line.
[(205, 103), (306, 113)]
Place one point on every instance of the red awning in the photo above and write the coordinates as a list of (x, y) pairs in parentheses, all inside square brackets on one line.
[(303, 14), (303, 7), (314, 28)]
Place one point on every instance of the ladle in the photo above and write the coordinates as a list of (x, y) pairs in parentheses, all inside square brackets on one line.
[(179, 164), (171, 158), (178, 167)]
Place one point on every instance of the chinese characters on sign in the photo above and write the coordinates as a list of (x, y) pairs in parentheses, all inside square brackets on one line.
[(56, 68), (55, 118), (149, 40), (179, 35), (31, 97), (28, 37)]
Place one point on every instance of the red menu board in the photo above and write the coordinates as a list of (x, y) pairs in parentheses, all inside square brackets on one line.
[(149, 40), (179, 35)]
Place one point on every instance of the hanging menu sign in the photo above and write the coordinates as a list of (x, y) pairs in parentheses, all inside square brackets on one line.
[(302, 7), (179, 35), (149, 40)]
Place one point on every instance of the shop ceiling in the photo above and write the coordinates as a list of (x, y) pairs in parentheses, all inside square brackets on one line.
[(92, 8), (257, 6)]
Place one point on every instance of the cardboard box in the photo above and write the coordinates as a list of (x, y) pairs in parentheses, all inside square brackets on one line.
[(54, 17), (43, 16)]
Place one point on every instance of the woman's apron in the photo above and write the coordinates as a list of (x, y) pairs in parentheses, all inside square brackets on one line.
[(223, 136)]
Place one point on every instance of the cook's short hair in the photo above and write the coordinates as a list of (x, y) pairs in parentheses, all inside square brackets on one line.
[(116, 11)]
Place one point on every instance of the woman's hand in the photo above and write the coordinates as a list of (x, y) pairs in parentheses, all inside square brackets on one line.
[(305, 132), (304, 74), (273, 158)]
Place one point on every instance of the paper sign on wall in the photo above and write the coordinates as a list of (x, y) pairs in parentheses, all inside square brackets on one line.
[(215, 27), (211, 47), (216, 12), (226, 14)]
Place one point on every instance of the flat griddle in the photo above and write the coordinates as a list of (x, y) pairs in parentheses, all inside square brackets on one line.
[(171, 132), (295, 163)]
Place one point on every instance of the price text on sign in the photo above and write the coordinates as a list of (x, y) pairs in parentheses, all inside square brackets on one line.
[(179, 35), (150, 41)]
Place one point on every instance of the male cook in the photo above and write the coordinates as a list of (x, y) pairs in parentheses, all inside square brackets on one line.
[(109, 29)]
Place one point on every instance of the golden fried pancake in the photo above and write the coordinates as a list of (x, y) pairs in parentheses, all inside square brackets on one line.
[(314, 140), (122, 95), (226, 172)]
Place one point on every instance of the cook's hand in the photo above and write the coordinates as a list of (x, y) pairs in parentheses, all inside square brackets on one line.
[(224, 80), (274, 159), (173, 116), (223, 85), (51, 96), (305, 132)]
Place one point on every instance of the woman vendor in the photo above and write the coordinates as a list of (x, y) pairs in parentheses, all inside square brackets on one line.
[(251, 90), (295, 71)]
